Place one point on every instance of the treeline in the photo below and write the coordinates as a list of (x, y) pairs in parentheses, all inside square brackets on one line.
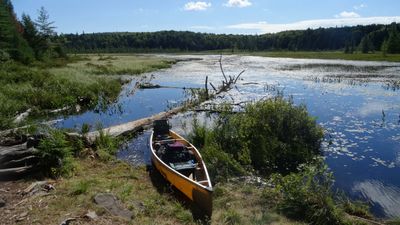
[(349, 39), (27, 40)]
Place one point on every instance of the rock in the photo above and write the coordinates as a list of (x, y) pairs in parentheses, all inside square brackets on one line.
[(112, 205), (2, 203), (91, 215)]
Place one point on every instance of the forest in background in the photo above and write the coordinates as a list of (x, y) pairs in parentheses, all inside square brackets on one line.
[(365, 39), (26, 40)]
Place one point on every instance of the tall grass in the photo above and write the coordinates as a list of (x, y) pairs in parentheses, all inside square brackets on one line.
[(32, 88), (56, 84)]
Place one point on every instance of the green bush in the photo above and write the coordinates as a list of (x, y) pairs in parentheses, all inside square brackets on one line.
[(307, 195), (271, 136), (4, 56), (220, 164), (55, 154)]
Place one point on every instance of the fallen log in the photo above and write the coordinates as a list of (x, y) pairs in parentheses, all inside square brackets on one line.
[(4, 150), (133, 126), (15, 173), (24, 161), (17, 154)]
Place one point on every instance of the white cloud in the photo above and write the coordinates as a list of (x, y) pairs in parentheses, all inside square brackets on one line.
[(238, 3), (357, 7), (197, 6), (264, 27), (346, 14)]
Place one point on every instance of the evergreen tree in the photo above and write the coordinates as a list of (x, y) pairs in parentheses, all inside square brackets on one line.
[(384, 48), (393, 42), (11, 40), (31, 35), (366, 44), (45, 26)]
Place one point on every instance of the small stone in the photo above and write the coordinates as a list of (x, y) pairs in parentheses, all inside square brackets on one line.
[(91, 215), (2, 203)]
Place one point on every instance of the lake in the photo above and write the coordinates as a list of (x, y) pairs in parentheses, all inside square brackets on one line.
[(356, 102)]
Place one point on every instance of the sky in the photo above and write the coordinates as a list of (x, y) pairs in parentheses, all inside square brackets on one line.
[(211, 16)]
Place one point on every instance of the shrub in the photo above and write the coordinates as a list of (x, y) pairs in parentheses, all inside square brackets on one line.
[(307, 195), (220, 164), (55, 154), (271, 136)]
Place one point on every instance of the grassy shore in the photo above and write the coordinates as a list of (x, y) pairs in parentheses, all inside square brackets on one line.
[(141, 192), (82, 80), (376, 56)]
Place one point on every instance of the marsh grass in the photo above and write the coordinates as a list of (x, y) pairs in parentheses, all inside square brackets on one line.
[(85, 80), (114, 65)]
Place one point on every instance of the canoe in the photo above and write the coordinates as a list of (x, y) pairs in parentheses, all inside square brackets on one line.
[(180, 163)]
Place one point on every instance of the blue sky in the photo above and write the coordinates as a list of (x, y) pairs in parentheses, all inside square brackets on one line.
[(213, 16)]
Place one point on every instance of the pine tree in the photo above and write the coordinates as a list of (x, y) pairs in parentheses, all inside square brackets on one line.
[(366, 44), (384, 47), (393, 42), (11, 40), (45, 26)]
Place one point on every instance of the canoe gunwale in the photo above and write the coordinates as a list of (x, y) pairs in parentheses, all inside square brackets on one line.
[(154, 156)]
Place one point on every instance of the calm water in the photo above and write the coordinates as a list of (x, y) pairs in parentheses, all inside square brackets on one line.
[(361, 119)]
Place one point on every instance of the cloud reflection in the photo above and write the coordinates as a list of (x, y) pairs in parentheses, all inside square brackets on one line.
[(386, 196)]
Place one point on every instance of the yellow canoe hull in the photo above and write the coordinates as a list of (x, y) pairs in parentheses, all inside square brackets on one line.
[(199, 193)]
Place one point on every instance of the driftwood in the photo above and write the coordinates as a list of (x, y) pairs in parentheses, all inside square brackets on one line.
[(21, 117), (12, 173), (133, 126), (19, 159), (227, 84)]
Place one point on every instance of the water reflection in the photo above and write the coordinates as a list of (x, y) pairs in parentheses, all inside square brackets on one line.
[(137, 151), (385, 198)]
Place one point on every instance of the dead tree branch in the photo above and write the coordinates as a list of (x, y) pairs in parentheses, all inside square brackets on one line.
[(226, 84)]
